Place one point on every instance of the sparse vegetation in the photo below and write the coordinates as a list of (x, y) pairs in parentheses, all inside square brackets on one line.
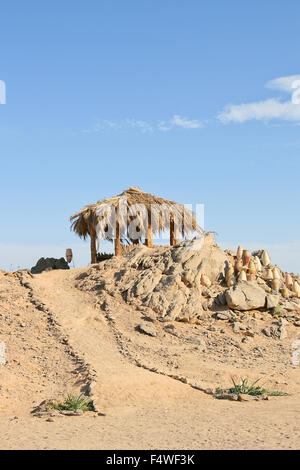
[(247, 388), (74, 403), (277, 311)]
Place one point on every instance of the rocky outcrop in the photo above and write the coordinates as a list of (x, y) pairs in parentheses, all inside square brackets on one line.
[(166, 280), (48, 264), (169, 282), (189, 283), (203, 256), (246, 296)]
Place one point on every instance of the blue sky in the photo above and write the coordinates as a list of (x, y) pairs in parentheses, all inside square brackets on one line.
[(172, 96)]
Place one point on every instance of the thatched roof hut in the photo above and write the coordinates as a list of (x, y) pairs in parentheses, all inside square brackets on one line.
[(133, 216)]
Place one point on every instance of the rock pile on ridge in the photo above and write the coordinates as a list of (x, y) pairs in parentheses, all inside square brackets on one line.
[(166, 280), (189, 282)]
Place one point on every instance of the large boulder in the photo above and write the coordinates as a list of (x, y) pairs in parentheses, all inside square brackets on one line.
[(201, 255), (47, 264), (245, 296)]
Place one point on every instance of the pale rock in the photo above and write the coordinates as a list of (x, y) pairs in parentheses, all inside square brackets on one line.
[(266, 331), (193, 305), (158, 303), (223, 316), (250, 332), (206, 292), (238, 326), (200, 342), (170, 328), (245, 296), (169, 283), (206, 257), (205, 281), (272, 301), (147, 328), (282, 333), (177, 307), (188, 278), (282, 322), (147, 283), (288, 306), (220, 299)]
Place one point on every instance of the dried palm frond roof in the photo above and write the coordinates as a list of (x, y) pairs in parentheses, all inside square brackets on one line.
[(84, 221), (91, 215)]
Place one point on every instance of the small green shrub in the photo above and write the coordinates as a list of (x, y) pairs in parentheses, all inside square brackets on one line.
[(246, 388), (277, 311), (74, 403)]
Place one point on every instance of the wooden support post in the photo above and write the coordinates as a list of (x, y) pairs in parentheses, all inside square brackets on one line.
[(173, 235), (93, 246), (136, 241), (117, 236), (148, 241)]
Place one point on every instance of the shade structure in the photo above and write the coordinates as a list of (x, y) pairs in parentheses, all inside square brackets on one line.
[(131, 217)]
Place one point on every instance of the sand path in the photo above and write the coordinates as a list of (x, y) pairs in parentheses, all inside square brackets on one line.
[(119, 382), (143, 410)]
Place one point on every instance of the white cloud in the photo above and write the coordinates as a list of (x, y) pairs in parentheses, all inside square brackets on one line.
[(111, 124), (98, 126), (283, 83), (268, 109), (186, 123), (145, 127), (178, 121), (261, 111)]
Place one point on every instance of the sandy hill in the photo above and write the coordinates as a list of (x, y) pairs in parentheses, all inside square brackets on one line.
[(149, 336)]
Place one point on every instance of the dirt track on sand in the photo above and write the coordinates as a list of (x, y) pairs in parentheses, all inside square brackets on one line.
[(143, 409)]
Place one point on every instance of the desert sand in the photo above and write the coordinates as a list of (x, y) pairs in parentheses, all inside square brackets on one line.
[(65, 332)]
